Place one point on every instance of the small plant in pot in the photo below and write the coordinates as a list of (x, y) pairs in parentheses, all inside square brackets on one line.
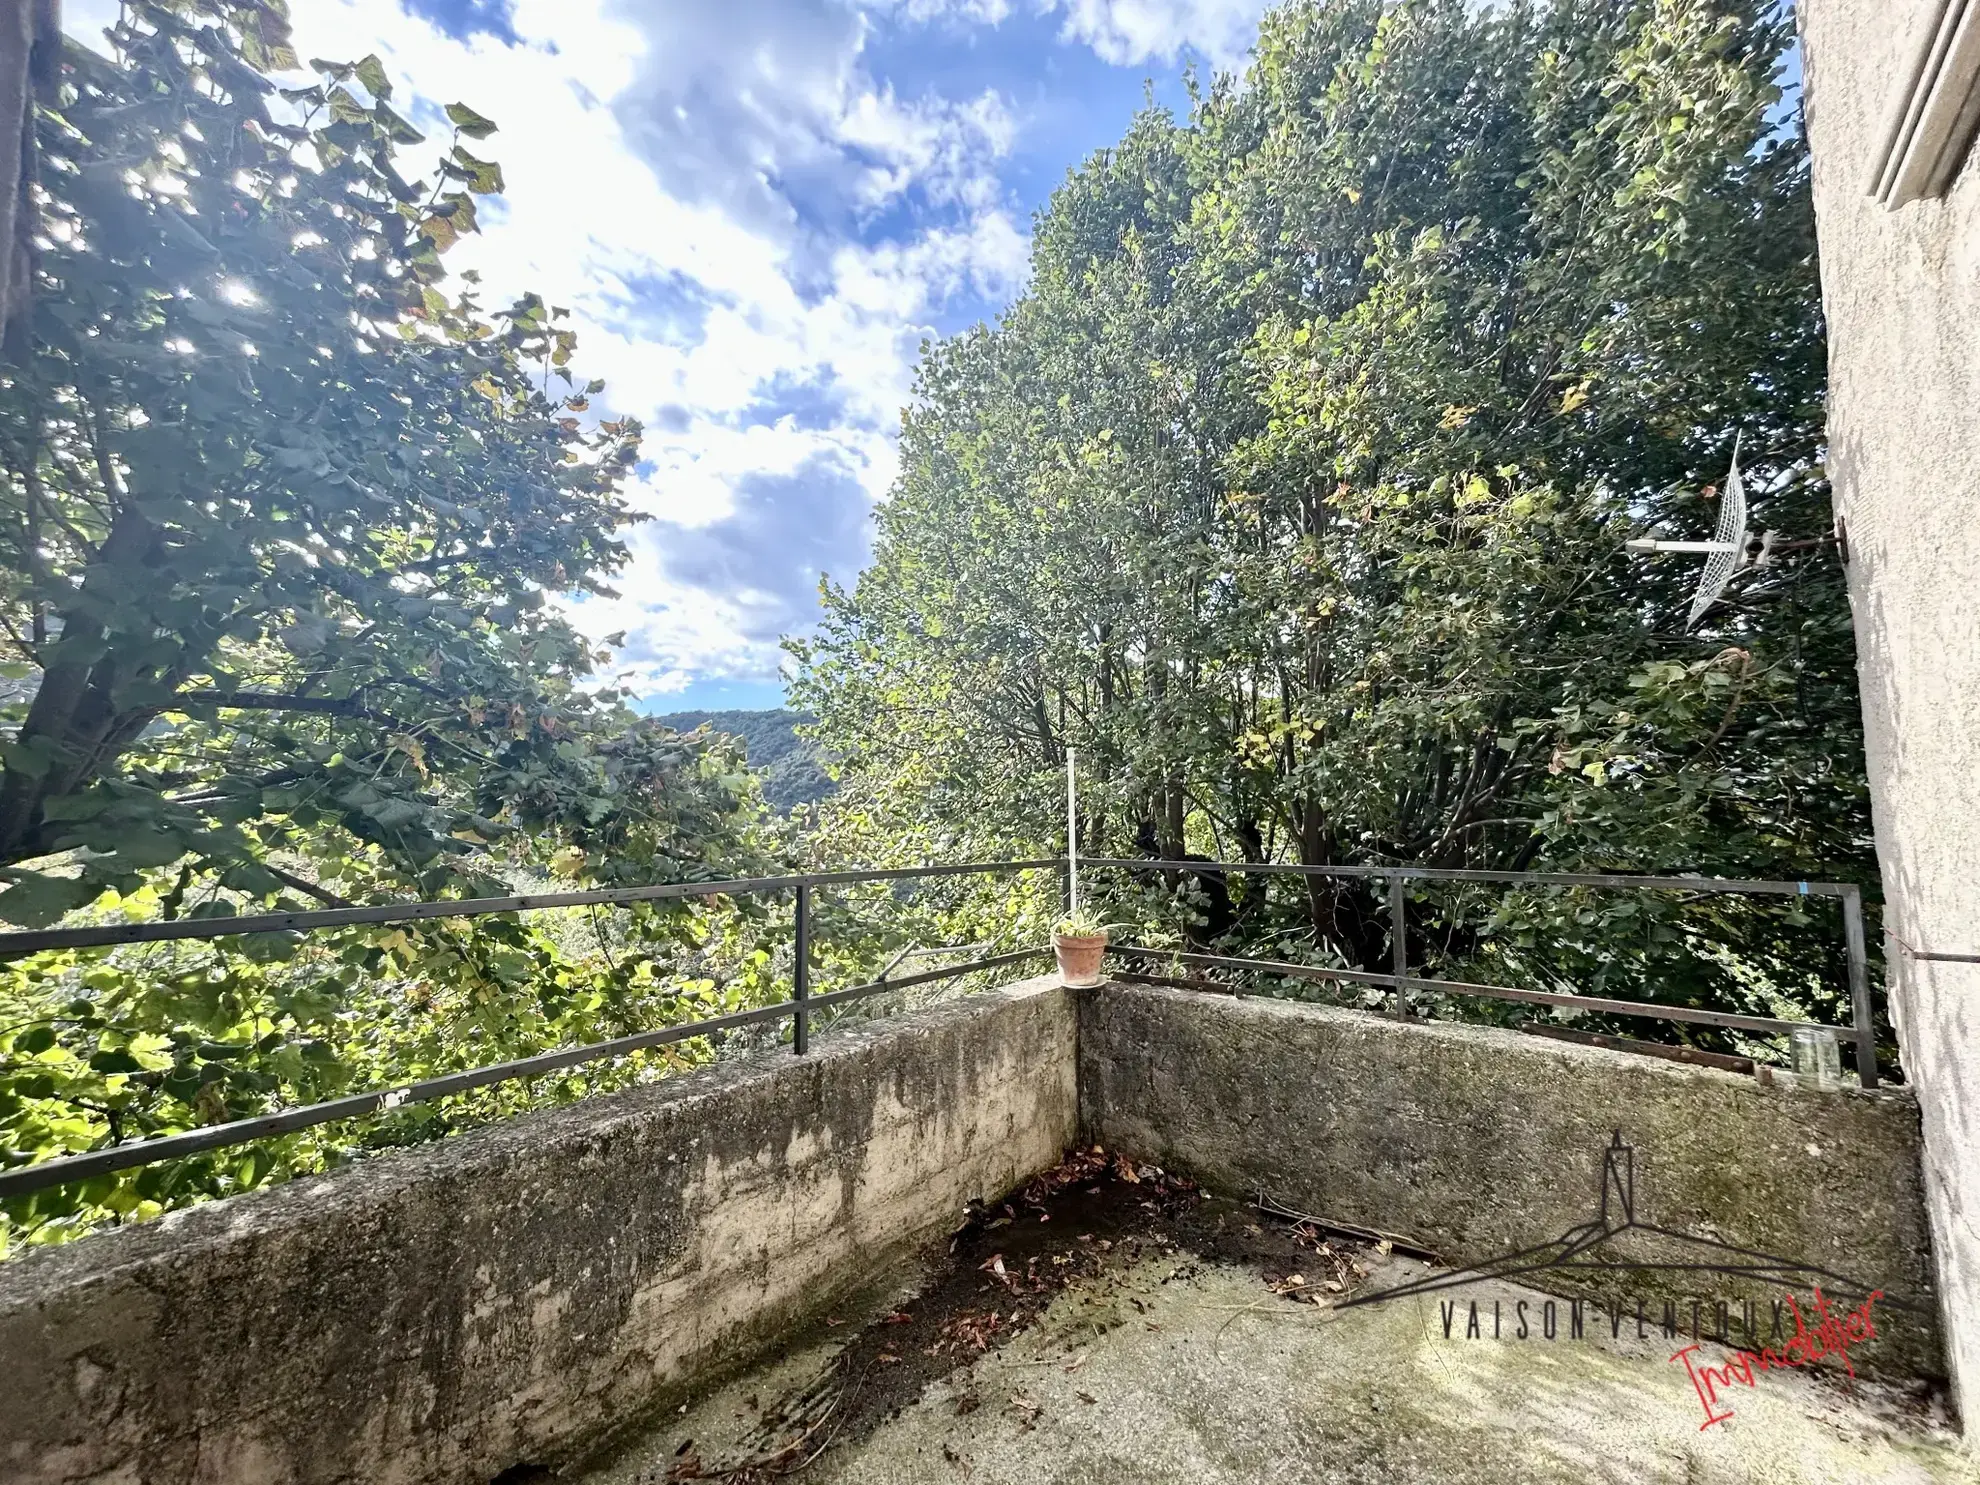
[(1080, 941)]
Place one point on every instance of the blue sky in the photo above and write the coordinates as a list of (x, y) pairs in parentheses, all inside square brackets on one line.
[(756, 211)]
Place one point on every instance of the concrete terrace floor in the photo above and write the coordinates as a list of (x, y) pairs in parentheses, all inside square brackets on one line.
[(1172, 1368)]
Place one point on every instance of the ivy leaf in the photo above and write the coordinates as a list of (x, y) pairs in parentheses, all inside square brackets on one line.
[(345, 109), (483, 176), (400, 131), (37, 899), (440, 230), (371, 72), (469, 122)]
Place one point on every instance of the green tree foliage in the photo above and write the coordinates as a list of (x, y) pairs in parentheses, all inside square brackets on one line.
[(1293, 494), (280, 514), (788, 762), (282, 507)]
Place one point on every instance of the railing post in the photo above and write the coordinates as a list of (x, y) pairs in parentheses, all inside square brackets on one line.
[(801, 974), (1399, 941), (1859, 986), (1072, 835)]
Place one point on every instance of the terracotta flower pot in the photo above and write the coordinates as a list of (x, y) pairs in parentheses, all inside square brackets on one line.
[(1079, 958)]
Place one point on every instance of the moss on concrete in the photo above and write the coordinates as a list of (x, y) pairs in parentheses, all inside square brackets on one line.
[(1216, 1381), (1472, 1142), (510, 1296)]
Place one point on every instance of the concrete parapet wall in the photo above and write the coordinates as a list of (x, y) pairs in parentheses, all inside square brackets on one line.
[(508, 1296), (1472, 1142), (514, 1295)]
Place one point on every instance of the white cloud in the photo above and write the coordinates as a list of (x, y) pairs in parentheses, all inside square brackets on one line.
[(1127, 32), (940, 145), (690, 180), (699, 183), (971, 12)]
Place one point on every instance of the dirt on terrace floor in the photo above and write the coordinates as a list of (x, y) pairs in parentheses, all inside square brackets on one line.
[(1114, 1323)]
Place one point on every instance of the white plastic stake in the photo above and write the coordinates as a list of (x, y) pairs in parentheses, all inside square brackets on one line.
[(1645, 544), (1072, 835)]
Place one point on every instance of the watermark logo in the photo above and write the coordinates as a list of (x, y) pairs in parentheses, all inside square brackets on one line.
[(1837, 1316), (1832, 1335)]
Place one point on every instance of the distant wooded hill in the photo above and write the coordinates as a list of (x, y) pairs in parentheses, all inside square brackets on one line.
[(792, 772)]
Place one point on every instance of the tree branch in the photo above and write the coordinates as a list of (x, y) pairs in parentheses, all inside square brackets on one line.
[(302, 884), (275, 701)]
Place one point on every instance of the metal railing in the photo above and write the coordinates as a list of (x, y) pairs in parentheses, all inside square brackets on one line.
[(799, 1008), (803, 1003), (1861, 1032)]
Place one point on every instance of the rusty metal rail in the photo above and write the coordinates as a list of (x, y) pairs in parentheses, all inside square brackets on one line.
[(799, 1008), (1861, 1032), (803, 1003)]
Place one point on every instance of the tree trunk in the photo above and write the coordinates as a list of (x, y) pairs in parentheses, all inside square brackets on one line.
[(30, 56)]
